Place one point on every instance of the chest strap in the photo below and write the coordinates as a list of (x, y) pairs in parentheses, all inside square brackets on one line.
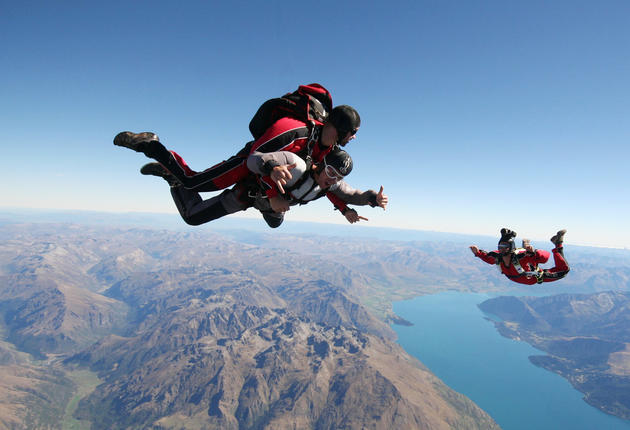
[(515, 261)]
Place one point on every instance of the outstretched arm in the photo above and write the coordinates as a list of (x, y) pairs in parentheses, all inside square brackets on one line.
[(352, 216), (357, 197), (341, 194), (489, 258)]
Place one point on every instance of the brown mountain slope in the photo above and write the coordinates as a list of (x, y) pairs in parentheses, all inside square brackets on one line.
[(234, 367)]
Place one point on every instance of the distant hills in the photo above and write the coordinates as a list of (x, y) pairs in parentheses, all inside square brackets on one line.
[(586, 338)]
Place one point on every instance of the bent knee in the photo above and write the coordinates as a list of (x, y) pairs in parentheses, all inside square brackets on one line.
[(192, 221)]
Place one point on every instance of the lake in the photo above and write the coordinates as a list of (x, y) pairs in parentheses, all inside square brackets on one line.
[(453, 338)]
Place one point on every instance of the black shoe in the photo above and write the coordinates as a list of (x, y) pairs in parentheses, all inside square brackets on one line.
[(136, 141), (273, 219), (558, 238), (156, 169), (507, 234)]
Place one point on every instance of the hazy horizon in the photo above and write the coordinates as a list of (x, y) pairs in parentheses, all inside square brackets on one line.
[(253, 222), (475, 116)]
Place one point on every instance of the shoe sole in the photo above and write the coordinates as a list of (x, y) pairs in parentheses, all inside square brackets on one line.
[(560, 233), (126, 139), (154, 169)]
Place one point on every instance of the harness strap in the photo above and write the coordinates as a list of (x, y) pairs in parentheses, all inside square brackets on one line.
[(313, 137), (515, 261), (299, 183), (255, 192), (538, 274)]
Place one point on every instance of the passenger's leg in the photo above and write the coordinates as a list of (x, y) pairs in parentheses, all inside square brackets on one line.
[(196, 211)]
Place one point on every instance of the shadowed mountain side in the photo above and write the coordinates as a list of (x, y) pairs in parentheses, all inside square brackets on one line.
[(586, 337), (9, 355), (246, 367), (322, 302)]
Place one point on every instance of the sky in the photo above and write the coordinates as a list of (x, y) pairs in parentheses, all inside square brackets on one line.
[(476, 115)]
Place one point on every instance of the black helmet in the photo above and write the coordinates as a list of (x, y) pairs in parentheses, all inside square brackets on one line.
[(339, 160), (507, 240), (345, 119)]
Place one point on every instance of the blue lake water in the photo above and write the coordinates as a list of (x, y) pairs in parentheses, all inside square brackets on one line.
[(453, 338)]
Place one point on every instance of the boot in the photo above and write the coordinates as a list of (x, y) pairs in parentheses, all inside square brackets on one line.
[(558, 238), (272, 219), (507, 234), (139, 142), (156, 169)]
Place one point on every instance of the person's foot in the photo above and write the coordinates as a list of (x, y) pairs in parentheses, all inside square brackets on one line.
[(272, 219), (136, 141), (156, 169), (507, 233), (558, 238)]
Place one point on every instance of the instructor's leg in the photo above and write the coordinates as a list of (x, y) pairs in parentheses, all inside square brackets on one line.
[(215, 178)]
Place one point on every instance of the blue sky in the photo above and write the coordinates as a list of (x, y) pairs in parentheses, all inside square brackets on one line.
[(476, 114)]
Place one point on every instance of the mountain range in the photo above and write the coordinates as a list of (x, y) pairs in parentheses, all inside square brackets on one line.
[(195, 330), (143, 327)]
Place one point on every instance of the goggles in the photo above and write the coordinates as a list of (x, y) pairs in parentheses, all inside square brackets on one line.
[(331, 172), (504, 247)]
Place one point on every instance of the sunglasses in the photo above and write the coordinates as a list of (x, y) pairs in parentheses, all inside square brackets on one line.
[(343, 133)]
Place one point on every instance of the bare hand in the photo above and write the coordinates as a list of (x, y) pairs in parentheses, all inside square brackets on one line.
[(281, 175), (352, 216), (381, 199), (279, 204), (530, 249), (474, 249)]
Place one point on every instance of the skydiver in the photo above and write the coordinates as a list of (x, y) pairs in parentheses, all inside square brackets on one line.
[(310, 141), (521, 265), (276, 181)]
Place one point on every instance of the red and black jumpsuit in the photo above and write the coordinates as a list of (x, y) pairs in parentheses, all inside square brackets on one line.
[(286, 134), (523, 266)]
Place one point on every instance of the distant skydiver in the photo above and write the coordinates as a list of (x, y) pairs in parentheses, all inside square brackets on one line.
[(302, 122), (521, 265), (276, 181)]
